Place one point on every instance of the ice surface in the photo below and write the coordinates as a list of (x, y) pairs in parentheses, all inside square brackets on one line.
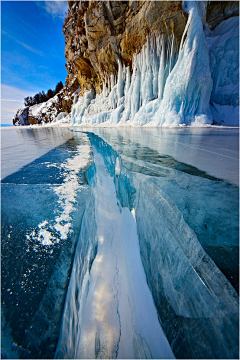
[(42, 208), (213, 150), (21, 146)]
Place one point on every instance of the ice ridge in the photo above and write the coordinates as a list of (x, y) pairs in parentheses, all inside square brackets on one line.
[(112, 314)]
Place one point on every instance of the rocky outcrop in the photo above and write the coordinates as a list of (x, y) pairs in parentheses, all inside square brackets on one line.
[(99, 33), (21, 117), (48, 111)]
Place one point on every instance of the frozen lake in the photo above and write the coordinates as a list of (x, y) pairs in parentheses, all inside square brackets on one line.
[(20, 146), (214, 150), (110, 232)]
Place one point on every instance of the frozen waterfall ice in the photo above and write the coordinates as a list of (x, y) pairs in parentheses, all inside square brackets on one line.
[(223, 45), (166, 86), (189, 85)]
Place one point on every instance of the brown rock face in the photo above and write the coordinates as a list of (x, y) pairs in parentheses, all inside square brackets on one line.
[(99, 33)]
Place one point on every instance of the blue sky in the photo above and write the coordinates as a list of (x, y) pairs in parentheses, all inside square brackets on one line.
[(32, 51)]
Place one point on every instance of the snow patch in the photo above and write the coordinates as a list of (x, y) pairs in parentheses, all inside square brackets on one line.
[(225, 114), (49, 234)]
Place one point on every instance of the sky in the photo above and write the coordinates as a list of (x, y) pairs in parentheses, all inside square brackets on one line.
[(32, 51)]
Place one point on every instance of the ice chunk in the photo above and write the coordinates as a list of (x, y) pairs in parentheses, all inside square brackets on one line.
[(223, 45), (81, 106)]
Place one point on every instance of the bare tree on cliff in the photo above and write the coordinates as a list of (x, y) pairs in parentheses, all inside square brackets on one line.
[(50, 94), (59, 87)]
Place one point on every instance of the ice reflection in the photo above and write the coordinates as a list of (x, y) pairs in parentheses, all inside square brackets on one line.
[(21, 146), (213, 150)]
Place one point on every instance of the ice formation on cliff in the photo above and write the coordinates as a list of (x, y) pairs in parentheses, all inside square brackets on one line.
[(223, 45), (196, 84), (164, 87)]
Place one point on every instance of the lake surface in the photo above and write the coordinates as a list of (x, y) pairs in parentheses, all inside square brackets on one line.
[(110, 232)]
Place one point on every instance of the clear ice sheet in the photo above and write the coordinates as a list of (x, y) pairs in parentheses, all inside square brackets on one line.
[(212, 150), (41, 214), (20, 146)]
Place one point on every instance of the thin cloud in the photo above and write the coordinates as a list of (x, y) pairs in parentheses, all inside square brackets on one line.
[(29, 48), (26, 46), (56, 9), (12, 99), (20, 101), (13, 93)]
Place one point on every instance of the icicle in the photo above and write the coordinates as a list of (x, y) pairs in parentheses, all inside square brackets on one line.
[(155, 66), (104, 89), (171, 54), (109, 85), (120, 81), (161, 71), (128, 80), (112, 80), (124, 72)]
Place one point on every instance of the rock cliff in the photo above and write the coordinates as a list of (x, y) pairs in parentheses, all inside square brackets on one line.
[(99, 34)]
